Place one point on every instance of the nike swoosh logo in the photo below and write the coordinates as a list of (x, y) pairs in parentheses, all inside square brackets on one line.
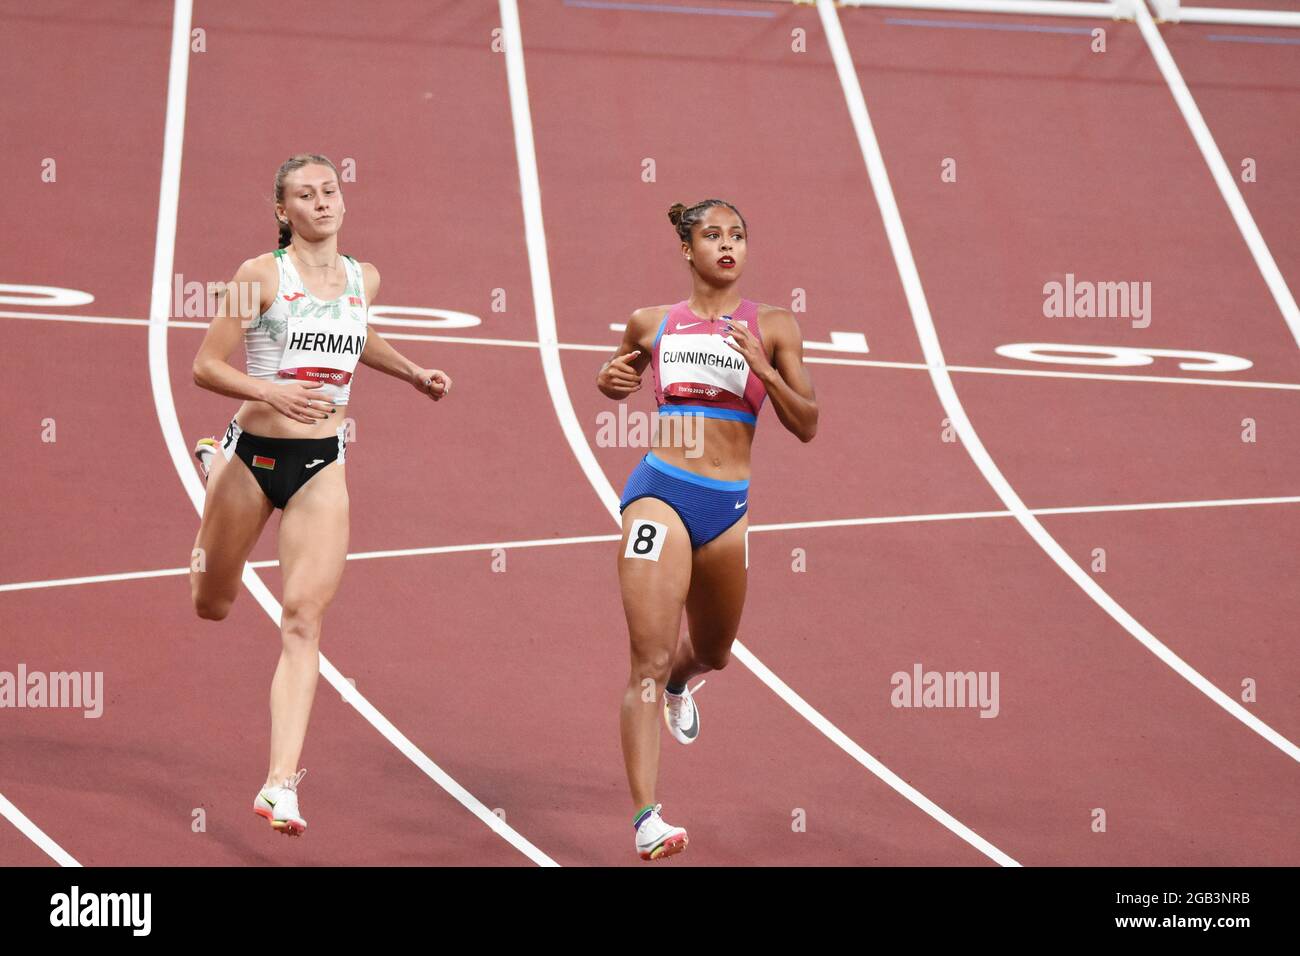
[(318, 461), (739, 504), (268, 799), (694, 728), (689, 325)]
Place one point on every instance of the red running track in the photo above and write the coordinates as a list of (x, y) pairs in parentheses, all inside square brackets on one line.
[(509, 681)]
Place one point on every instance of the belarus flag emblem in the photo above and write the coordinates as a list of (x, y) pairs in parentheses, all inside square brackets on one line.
[(261, 461)]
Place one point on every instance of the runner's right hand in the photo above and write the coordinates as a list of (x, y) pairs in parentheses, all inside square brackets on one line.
[(619, 376), (299, 401)]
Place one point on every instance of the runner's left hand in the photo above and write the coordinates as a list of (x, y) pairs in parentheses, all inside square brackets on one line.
[(744, 342), (433, 382)]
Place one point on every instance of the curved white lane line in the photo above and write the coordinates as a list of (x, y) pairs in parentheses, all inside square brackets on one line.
[(35, 833), (942, 381), (160, 382), (544, 307), (1223, 177)]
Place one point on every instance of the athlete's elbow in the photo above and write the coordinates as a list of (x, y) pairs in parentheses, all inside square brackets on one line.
[(809, 431), (204, 372)]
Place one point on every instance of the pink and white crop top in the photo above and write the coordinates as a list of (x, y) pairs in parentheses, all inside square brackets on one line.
[(697, 373)]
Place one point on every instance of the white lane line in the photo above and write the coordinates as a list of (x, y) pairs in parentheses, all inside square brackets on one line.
[(88, 319), (530, 190), (7, 809), (607, 538), (810, 359), (94, 579), (372, 714), (35, 833), (1165, 505), (1223, 178), (160, 382), (355, 556), (851, 747), (165, 245), (468, 340), (925, 330), (1072, 510), (539, 266), (1114, 377), (454, 548)]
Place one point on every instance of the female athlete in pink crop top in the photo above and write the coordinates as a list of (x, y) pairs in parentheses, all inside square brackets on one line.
[(715, 357), (697, 371)]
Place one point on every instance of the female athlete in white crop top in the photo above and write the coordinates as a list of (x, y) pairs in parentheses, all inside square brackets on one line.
[(304, 332)]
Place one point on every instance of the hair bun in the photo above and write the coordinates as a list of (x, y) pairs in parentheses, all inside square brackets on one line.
[(675, 212)]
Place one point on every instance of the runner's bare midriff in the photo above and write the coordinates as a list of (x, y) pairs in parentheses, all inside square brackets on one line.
[(259, 418), (713, 447)]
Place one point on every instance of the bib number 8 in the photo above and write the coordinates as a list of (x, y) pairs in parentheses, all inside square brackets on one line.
[(646, 540)]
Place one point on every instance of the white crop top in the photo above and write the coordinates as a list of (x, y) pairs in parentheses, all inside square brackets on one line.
[(303, 338)]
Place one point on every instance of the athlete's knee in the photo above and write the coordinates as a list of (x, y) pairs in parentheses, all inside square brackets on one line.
[(714, 658), (211, 593), (718, 660), (301, 618), (211, 608), (654, 663)]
